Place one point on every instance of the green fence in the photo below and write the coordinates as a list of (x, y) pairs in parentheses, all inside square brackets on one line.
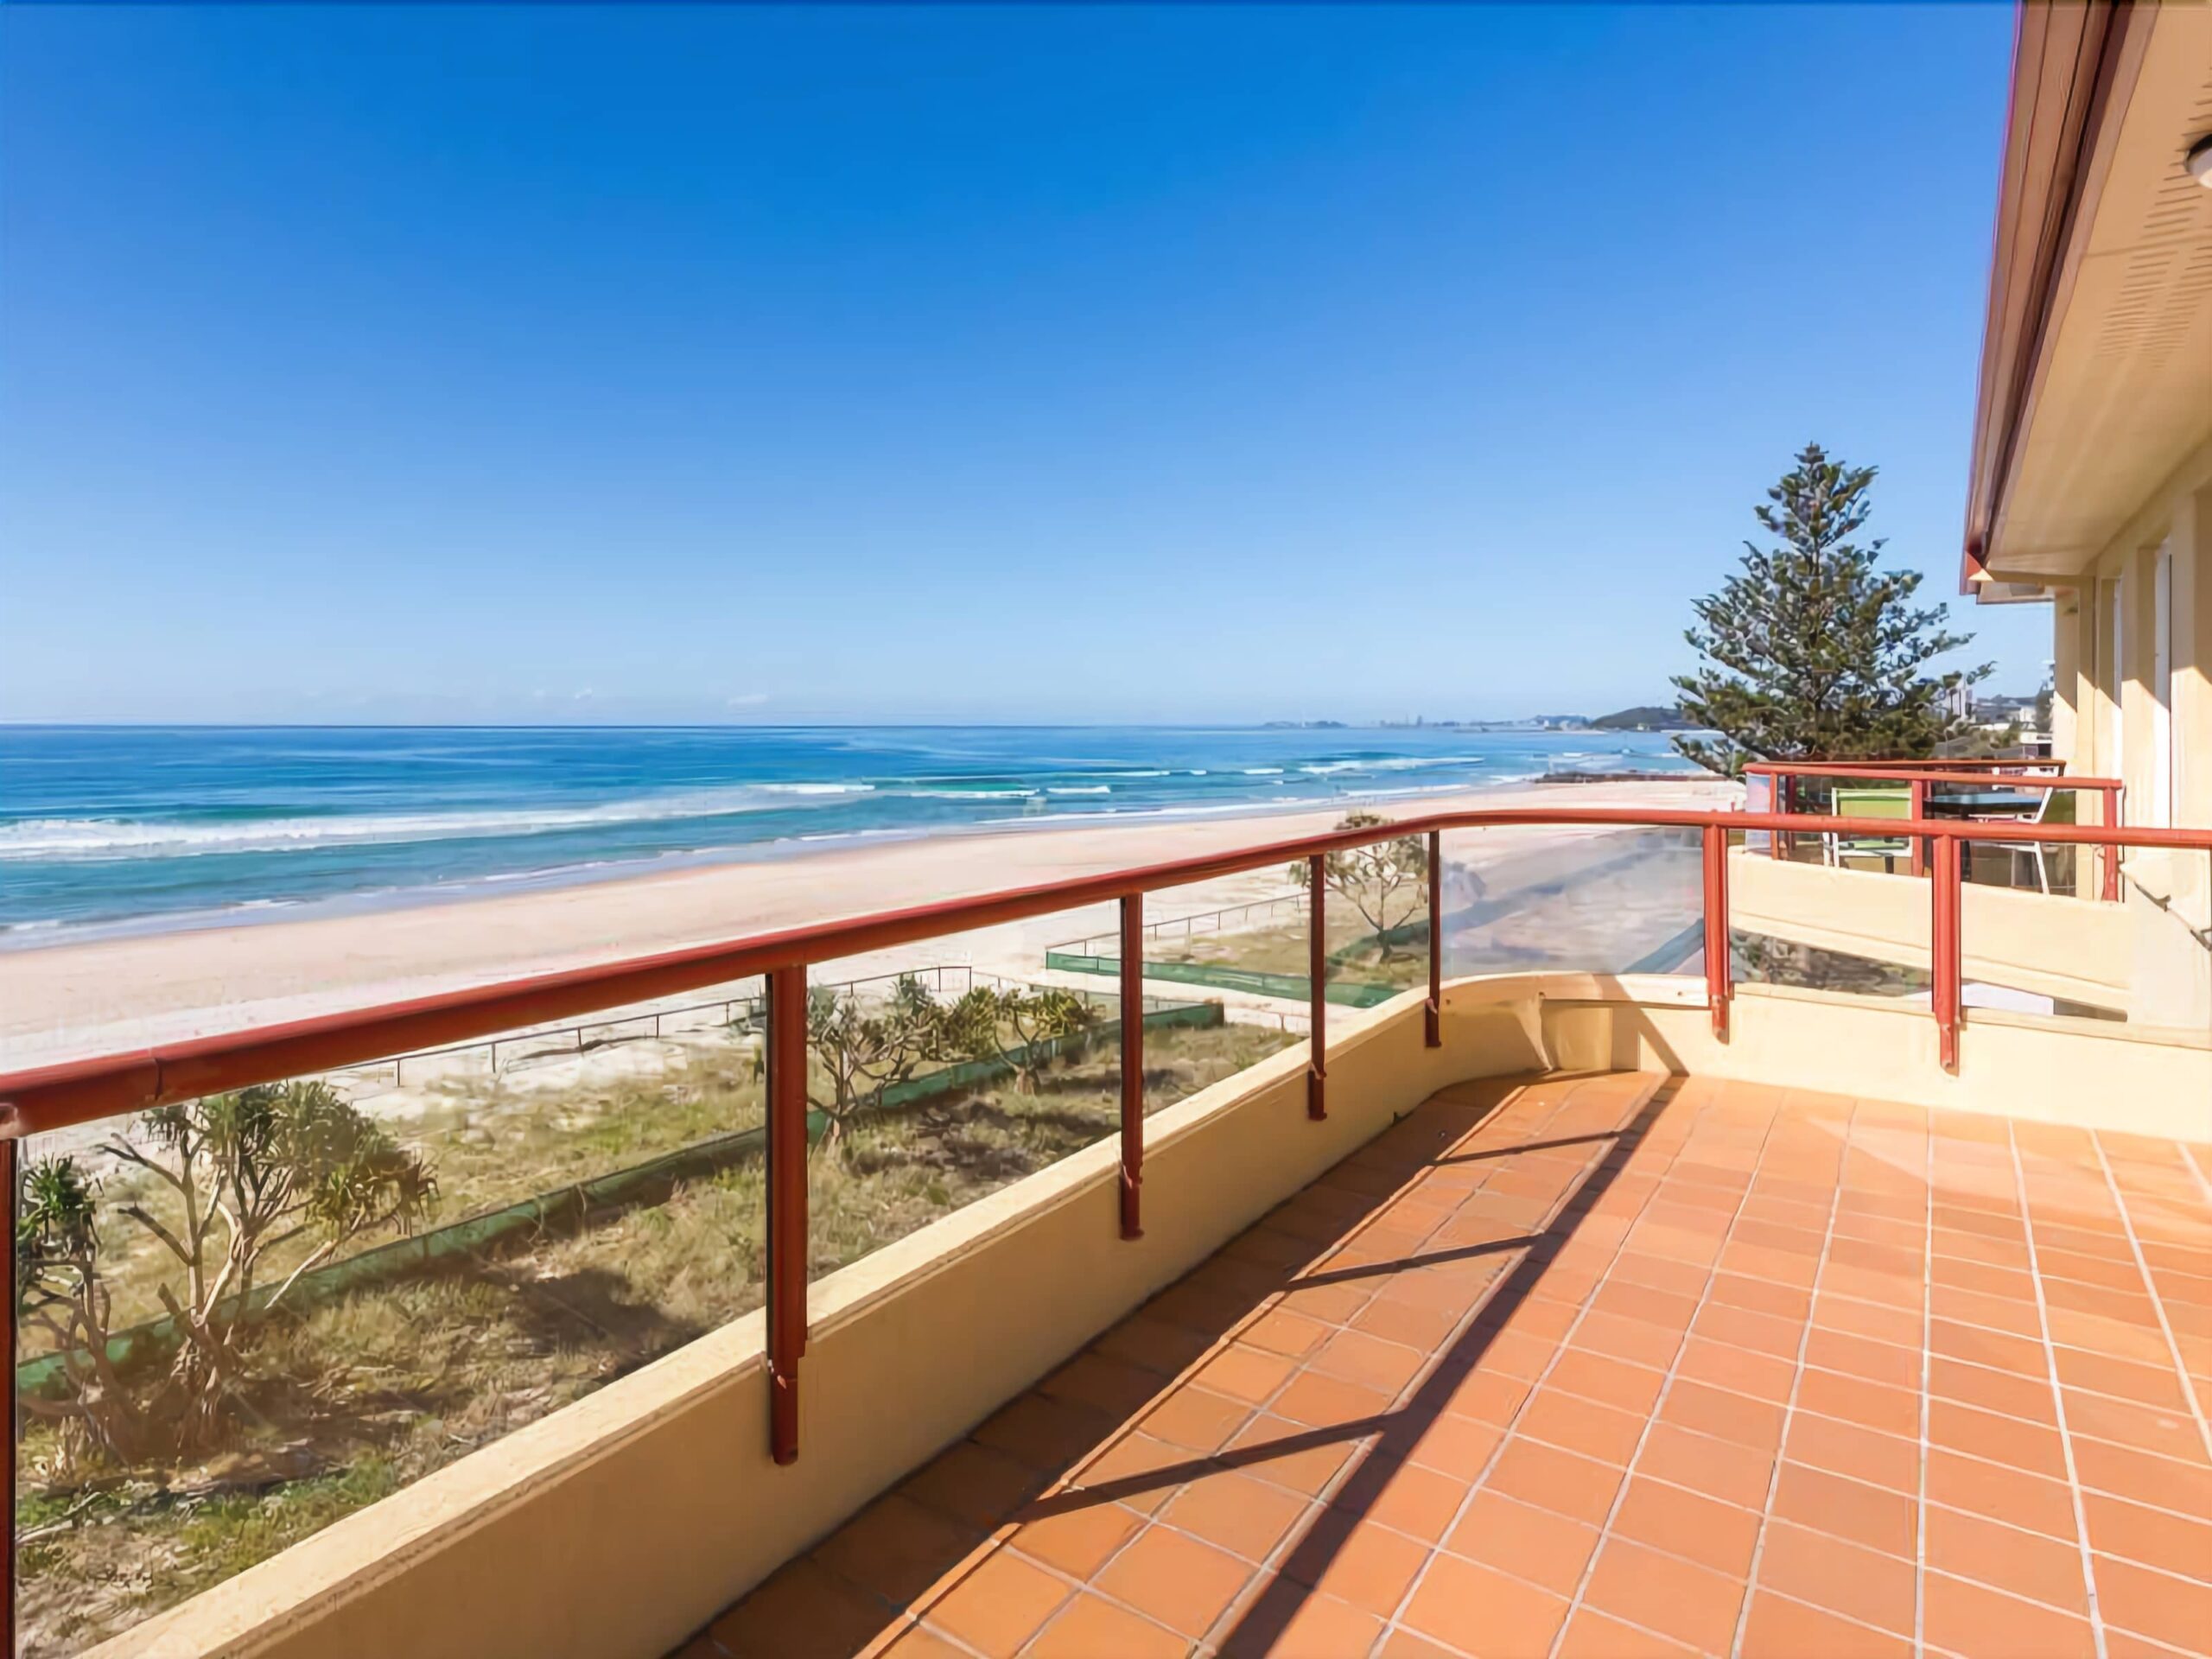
[(650, 1182), (1295, 987), (1347, 993)]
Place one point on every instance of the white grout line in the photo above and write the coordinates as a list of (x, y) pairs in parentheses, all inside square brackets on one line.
[(2058, 1398), (2196, 1168), (2157, 1300), (1796, 1382)]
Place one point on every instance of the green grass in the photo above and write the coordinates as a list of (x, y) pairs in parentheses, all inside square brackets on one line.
[(224, 1535), (1282, 946), (1763, 960), (356, 1397)]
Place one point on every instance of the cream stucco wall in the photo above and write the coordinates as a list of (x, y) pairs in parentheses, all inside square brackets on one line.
[(2089, 1073), (2067, 682), (2168, 894)]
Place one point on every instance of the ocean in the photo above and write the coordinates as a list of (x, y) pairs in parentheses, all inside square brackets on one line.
[(138, 829)]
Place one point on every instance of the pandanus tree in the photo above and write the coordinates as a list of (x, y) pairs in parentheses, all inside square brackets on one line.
[(60, 1292), (254, 1171), (240, 1182), (1017, 1025), (863, 1047)]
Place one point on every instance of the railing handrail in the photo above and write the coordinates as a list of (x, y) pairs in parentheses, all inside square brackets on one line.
[(57, 1097), (1961, 763), (1885, 773)]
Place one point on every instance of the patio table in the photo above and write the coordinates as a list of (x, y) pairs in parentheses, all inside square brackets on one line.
[(1967, 803), (1978, 804)]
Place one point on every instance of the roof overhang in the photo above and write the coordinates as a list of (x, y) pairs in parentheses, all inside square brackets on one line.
[(2096, 366)]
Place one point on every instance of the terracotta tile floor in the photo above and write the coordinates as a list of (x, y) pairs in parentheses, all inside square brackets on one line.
[(1603, 1365)]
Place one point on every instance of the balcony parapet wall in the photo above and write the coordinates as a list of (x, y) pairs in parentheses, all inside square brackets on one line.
[(621, 1524)]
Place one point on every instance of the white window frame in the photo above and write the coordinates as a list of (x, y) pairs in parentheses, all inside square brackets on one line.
[(2162, 685), (2112, 757)]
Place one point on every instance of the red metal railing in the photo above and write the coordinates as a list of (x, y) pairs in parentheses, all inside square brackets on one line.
[(1132, 985), (1432, 1018), (51, 1097), (786, 1200), (1924, 778), (1317, 988), (54, 1097), (1719, 985), (1956, 763)]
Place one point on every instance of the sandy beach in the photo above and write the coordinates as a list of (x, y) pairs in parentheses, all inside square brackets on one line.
[(71, 1000)]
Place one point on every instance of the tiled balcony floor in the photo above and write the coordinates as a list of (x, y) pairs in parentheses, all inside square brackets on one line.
[(1606, 1365)]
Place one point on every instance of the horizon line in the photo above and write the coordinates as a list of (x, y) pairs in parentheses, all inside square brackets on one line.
[(780, 725)]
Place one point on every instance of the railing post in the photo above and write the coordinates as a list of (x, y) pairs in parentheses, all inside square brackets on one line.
[(787, 1205), (1782, 796), (1317, 983), (2112, 850), (1719, 976), (1435, 1020), (1945, 970), (1132, 1063), (1919, 812)]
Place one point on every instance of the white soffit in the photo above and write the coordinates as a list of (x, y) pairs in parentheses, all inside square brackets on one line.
[(2125, 391)]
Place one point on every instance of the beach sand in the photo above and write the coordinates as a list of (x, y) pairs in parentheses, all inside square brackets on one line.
[(68, 1001)]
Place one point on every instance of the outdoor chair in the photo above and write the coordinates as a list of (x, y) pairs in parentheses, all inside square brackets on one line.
[(1883, 802), (2030, 850)]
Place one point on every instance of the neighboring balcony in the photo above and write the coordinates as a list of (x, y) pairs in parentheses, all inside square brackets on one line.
[(2081, 931), (1511, 1308)]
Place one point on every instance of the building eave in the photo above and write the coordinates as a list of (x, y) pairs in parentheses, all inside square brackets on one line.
[(2069, 91)]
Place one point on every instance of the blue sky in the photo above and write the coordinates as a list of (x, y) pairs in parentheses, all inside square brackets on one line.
[(1063, 363)]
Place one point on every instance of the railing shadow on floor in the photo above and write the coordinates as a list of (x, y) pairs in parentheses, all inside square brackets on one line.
[(1403, 1426), (1010, 1470)]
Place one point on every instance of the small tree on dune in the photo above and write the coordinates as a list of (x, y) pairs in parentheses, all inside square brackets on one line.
[(1016, 1024), (1814, 652), (1384, 880), (253, 1170), (864, 1048), (248, 1173), (61, 1291)]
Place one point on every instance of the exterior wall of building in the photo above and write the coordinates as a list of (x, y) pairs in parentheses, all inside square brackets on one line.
[(2066, 674), (2190, 545), (2141, 671)]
